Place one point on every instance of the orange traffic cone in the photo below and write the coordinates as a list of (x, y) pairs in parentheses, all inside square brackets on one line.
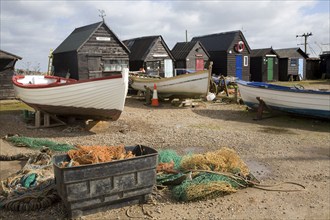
[(154, 101)]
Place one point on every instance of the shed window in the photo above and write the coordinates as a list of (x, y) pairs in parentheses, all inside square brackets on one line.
[(293, 62), (114, 65), (246, 60)]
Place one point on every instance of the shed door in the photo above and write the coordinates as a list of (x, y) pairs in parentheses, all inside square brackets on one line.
[(94, 63), (239, 66), (94, 67), (270, 68), (168, 68), (301, 68), (199, 64)]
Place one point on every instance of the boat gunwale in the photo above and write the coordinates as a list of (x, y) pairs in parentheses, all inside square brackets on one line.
[(260, 85), (140, 79), (58, 83)]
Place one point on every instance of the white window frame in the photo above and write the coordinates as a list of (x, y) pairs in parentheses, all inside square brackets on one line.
[(246, 61), (114, 65)]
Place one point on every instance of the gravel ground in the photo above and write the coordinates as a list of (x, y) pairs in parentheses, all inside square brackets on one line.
[(276, 149)]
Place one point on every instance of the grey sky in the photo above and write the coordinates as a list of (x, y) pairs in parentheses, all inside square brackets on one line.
[(31, 28)]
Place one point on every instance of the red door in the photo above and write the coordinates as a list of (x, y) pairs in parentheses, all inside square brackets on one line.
[(199, 64)]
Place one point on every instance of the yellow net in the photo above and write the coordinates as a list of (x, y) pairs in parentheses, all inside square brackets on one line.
[(223, 160)]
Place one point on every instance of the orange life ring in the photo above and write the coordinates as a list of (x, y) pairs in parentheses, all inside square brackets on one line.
[(240, 46)]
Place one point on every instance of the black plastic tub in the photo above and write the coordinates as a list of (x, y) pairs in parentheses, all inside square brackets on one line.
[(87, 189)]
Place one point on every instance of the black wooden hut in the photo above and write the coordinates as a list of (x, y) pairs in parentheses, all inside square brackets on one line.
[(292, 62), (7, 69), (90, 51), (325, 64), (264, 65), (313, 70), (230, 53), (190, 56), (151, 54)]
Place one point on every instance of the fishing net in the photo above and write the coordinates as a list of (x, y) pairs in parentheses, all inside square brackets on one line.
[(96, 154), (203, 176), (223, 160), (166, 156), (38, 143), (31, 188)]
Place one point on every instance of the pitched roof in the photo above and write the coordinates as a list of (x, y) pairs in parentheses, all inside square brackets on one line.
[(220, 41), (140, 47), (79, 36), (291, 52), (182, 49), (7, 55), (262, 52)]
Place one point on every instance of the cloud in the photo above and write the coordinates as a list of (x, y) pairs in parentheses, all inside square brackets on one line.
[(30, 28)]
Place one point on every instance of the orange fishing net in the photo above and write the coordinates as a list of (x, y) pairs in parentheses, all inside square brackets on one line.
[(98, 154)]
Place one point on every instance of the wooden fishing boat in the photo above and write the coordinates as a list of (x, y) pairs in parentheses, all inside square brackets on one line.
[(296, 100), (99, 98), (185, 85)]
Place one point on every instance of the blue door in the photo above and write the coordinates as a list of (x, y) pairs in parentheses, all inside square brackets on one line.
[(239, 66), (301, 68)]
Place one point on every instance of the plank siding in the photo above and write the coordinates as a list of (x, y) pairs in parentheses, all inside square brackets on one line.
[(86, 61), (157, 48), (110, 49), (193, 55), (257, 69), (219, 59), (66, 63), (283, 69), (231, 63), (6, 86)]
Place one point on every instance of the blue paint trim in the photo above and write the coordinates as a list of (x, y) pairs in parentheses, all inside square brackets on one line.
[(303, 112), (268, 86)]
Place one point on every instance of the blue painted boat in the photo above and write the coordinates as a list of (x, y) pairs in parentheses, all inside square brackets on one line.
[(311, 103)]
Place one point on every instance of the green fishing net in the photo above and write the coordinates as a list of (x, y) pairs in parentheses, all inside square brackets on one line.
[(166, 156), (203, 176), (38, 143)]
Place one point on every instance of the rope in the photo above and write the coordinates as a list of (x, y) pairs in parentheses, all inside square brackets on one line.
[(146, 214), (232, 176), (262, 187), (254, 184), (15, 157), (33, 200), (33, 187)]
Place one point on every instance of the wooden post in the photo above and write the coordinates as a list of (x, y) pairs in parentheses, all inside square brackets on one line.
[(37, 119), (236, 95), (43, 120), (46, 120)]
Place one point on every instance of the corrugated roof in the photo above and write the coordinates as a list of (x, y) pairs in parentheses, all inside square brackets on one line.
[(77, 38), (291, 52), (220, 41), (140, 47), (7, 55)]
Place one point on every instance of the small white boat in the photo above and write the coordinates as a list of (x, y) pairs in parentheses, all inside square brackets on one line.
[(312, 103), (99, 98), (185, 85)]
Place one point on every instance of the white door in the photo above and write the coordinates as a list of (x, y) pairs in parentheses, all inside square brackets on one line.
[(168, 66)]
